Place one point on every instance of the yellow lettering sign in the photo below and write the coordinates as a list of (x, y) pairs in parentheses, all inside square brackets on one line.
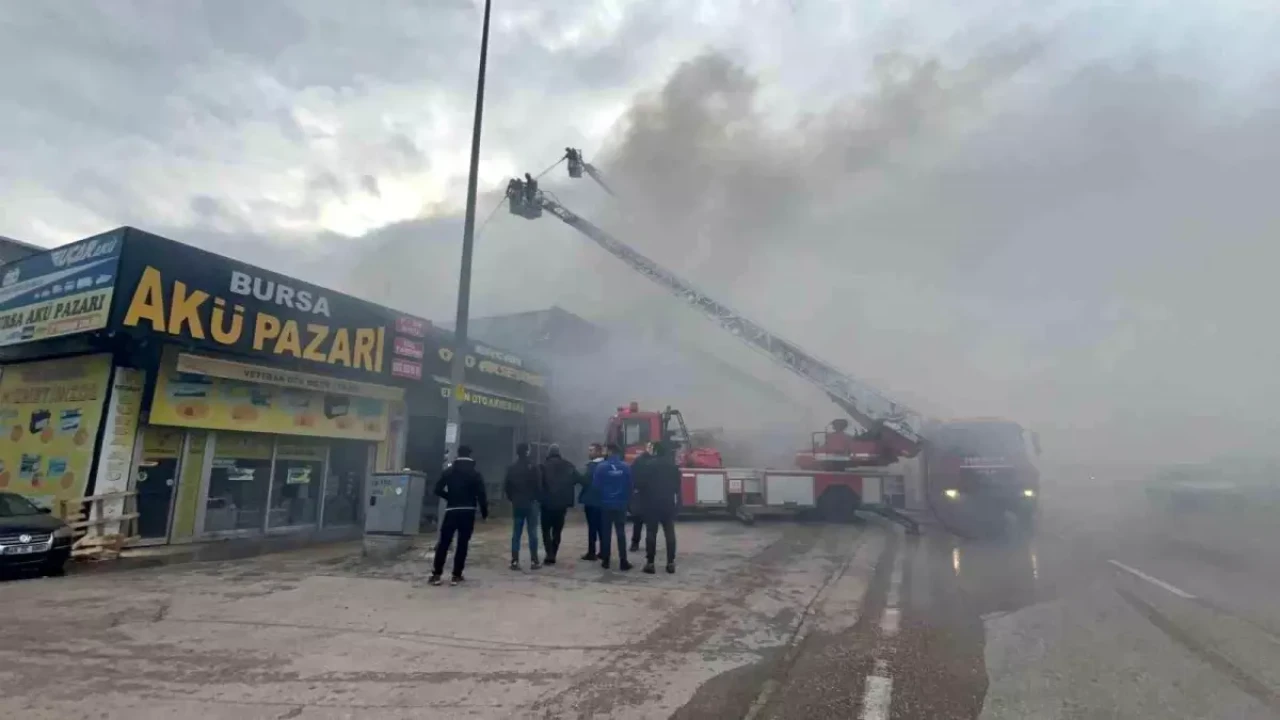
[(189, 312), (147, 302)]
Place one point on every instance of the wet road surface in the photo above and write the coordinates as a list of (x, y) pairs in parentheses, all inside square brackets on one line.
[(1098, 614)]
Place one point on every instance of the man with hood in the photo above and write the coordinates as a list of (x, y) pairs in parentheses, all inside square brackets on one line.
[(462, 488), (637, 518), (657, 487), (522, 488), (612, 480), (559, 478), (591, 501)]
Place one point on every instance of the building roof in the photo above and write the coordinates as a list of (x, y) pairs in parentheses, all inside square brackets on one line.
[(13, 250)]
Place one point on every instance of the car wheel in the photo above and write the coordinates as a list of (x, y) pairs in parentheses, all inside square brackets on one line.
[(54, 570)]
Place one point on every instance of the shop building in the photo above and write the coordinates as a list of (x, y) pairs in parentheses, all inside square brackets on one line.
[(197, 397)]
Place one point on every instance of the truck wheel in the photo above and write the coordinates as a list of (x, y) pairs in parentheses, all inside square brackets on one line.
[(838, 504)]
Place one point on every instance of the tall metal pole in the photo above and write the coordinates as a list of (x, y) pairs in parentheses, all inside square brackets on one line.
[(453, 431)]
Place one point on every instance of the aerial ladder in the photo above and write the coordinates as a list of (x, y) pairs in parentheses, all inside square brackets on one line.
[(891, 424), (894, 424)]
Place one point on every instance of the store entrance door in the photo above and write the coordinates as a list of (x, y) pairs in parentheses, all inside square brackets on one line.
[(157, 476)]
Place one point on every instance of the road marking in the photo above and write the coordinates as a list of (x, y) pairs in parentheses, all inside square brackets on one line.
[(878, 698), (877, 694), (889, 622), (1154, 581)]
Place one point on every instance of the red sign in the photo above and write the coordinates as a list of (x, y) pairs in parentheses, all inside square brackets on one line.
[(406, 369), (409, 348), (411, 326)]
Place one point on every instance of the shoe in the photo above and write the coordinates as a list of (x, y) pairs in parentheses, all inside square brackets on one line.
[(648, 568), (550, 560), (624, 566), (433, 580), (456, 580), (605, 563), (671, 568), (635, 547), (535, 565), (590, 557), (515, 564)]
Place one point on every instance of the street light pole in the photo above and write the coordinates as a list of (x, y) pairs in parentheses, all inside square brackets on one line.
[(453, 431)]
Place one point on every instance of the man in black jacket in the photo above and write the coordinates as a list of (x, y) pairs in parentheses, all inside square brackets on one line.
[(462, 488), (559, 478), (657, 486), (591, 501), (637, 517), (523, 487)]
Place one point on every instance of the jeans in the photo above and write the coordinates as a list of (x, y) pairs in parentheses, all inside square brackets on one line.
[(594, 521), (668, 523), (614, 522), (522, 518), (461, 523), (552, 528)]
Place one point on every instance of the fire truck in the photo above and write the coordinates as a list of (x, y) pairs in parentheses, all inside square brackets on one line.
[(631, 429), (973, 474)]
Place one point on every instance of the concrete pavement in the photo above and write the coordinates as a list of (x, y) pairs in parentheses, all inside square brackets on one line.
[(1107, 611), (304, 635)]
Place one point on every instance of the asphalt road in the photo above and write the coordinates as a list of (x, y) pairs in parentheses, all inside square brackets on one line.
[(1103, 612)]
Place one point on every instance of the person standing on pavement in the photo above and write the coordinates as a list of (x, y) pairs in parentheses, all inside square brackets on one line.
[(657, 486), (637, 518), (522, 487), (462, 488), (590, 500), (559, 478), (612, 480)]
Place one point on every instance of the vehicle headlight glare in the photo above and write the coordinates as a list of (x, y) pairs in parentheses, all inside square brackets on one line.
[(1029, 493), (951, 493)]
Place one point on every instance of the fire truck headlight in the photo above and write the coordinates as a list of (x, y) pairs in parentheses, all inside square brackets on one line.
[(951, 493), (1029, 493)]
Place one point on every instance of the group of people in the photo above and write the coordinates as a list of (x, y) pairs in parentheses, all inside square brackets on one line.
[(541, 495)]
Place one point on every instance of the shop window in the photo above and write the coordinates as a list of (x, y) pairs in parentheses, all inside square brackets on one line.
[(239, 481), (344, 483), (296, 482)]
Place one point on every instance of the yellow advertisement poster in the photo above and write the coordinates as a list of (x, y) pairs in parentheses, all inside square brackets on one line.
[(214, 403), (49, 415)]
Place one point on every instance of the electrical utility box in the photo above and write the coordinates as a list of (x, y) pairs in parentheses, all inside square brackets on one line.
[(393, 505)]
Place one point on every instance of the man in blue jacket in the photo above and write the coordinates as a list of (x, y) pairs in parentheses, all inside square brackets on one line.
[(612, 483)]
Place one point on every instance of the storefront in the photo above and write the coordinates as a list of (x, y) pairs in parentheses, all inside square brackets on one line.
[(54, 377), (269, 400), (220, 455), (503, 402), (193, 397)]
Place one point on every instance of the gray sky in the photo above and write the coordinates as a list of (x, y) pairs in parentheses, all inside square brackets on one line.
[(1056, 211)]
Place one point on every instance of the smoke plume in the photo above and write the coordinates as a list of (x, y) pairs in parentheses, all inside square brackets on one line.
[(1086, 248)]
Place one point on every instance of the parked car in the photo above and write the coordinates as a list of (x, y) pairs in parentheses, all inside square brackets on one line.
[(31, 538)]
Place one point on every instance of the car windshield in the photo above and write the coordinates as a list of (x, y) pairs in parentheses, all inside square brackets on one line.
[(982, 439), (12, 505)]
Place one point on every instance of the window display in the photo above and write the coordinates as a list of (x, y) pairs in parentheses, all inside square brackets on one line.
[(296, 482), (239, 480)]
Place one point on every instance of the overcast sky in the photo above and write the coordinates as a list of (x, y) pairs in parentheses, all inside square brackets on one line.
[(1057, 211)]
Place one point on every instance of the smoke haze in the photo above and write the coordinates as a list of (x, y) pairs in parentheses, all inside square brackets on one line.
[(1087, 248)]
